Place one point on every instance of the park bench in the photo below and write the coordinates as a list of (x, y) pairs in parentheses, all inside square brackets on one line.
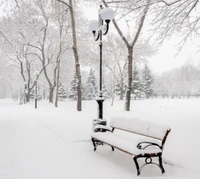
[(138, 138)]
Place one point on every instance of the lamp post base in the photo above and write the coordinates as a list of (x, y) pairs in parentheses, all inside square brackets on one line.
[(96, 122), (100, 101)]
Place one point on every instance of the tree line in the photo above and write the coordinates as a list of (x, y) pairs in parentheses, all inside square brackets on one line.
[(181, 82)]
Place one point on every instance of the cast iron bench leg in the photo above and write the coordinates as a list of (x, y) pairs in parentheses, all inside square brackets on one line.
[(112, 148), (160, 163), (137, 165), (94, 144)]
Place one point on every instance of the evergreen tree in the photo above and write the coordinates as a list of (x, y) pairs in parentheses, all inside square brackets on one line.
[(61, 92), (73, 88), (120, 88), (33, 91), (90, 91), (32, 94), (136, 85), (147, 81), (105, 92)]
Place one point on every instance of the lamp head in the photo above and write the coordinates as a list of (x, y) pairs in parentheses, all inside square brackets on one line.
[(107, 14), (93, 25)]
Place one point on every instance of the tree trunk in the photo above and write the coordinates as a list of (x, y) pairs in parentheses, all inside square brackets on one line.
[(57, 83), (51, 90), (121, 89), (56, 100), (113, 89), (44, 94), (58, 65), (112, 100), (27, 99), (130, 79), (51, 86), (27, 91), (121, 97), (77, 65)]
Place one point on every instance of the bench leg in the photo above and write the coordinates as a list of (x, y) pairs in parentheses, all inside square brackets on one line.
[(160, 163), (148, 160), (137, 165), (94, 144), (112, 148)]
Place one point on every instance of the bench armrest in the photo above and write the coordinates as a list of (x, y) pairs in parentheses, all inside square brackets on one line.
[(144, 145), (102, 128)]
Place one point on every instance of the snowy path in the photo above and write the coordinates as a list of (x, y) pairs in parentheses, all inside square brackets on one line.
[(39, 145), (31, 150)]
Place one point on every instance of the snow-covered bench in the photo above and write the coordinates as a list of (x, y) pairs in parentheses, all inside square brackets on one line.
[(148, 143)]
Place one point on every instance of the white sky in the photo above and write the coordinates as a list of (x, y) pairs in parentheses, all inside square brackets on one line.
[(166, 58)]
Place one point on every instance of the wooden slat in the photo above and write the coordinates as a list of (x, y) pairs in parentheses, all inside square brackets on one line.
[(137, 133), (113, 146)]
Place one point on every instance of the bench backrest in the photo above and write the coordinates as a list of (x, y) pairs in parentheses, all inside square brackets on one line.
[(141, 127)]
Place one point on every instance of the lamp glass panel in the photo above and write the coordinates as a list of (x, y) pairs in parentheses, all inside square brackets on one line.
[(93, 25), (107, 13)]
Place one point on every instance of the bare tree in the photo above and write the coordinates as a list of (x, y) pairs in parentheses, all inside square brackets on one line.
[(58, 58), (130, 47), (75, 50), (19, 54), (48, 46), (39, 35)]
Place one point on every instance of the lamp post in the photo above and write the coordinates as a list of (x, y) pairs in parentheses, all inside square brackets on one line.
[(36, 88), (100, 28)]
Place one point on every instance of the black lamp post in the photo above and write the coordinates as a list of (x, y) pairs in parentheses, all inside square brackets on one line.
[(100, 28)]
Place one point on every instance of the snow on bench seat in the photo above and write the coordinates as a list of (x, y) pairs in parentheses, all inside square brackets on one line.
[(123, 143), (142, 127)]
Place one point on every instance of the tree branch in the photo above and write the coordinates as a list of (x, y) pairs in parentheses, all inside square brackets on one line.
[(169, 4), (6, 39), (35, 47), (141, 24), (116, 2), (35, 55), (64, 3), (117, 27), (17, 4)]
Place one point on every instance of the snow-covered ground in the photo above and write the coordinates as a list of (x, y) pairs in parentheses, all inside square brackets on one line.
[(54, 143)]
